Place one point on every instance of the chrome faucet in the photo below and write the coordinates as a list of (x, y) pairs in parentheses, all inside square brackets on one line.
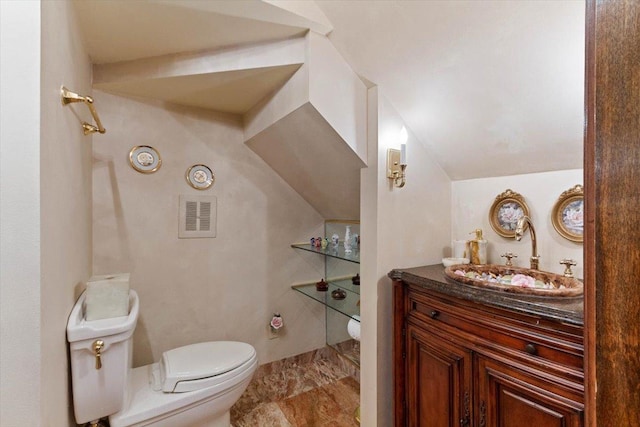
[(522, 223)]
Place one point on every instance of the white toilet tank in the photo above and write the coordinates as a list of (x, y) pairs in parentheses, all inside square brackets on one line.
[(100, 392)]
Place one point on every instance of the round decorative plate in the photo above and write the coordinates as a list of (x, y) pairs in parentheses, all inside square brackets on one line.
[(567, 216), (200, 177), (145, 159), (505, 212)]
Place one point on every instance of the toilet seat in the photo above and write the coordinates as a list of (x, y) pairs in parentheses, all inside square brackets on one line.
[(201, 365), (148, 406)]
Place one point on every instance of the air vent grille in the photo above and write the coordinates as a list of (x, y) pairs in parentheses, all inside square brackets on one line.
[(205, 216), (192, 217), (197, 216)]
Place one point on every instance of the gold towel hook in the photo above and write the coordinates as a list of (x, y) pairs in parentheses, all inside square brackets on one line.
[(69, 97)]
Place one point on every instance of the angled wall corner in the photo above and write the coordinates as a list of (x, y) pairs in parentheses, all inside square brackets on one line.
[(312, 131), (313, 159), (337, 92), (304, 13), (330, 85)]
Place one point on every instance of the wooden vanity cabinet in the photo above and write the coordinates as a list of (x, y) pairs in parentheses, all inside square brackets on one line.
[(511, 397), (439, 381), (461, 363)]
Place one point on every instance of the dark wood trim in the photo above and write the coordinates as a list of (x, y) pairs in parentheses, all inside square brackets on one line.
[(589, 256), (612, 197), (398, 353)]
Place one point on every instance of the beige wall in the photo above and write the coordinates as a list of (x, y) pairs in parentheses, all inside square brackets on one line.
[(20, 333), (66, 199), (46, 207), (472, 200), (191, 290), (401, 227)]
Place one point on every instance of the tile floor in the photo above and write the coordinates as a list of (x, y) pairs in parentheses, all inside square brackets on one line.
[(316, 389)]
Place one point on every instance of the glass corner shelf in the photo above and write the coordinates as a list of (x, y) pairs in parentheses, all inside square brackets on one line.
[(349, 306), (339, 269), (332, 251)]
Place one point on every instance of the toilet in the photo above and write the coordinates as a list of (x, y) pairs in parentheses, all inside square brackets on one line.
[(190, 386)]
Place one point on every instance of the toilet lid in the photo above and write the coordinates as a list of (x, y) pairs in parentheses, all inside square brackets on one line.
[(202, 360)]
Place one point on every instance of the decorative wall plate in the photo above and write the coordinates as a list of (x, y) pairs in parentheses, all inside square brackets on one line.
[(200, 177), (145, 159), (567, 216), (505, 212)]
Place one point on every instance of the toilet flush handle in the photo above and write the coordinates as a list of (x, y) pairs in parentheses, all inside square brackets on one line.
[(98, 346)]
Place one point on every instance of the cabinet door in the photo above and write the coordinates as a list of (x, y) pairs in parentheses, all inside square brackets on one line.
[(510, 397), (438, 381)]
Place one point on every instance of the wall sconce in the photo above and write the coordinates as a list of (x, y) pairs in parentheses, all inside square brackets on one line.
[(397, 161)]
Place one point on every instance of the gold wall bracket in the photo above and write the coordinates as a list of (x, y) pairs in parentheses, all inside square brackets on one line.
[(68, 97), (395, 169)]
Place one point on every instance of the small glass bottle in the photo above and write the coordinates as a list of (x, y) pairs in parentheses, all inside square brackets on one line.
[(347, 240)]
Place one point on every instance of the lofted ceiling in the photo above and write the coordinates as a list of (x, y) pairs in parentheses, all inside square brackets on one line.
[(491, 88)]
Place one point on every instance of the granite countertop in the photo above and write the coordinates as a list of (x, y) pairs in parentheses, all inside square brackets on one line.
[(565, 310)]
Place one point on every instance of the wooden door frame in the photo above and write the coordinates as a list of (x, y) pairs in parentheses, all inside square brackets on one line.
[(612, 209), (589, 263)]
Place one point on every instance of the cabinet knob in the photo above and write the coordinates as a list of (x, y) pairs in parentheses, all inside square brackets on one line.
[(434, 314), (531, 349)]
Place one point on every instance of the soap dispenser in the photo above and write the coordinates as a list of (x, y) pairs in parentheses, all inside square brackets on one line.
[(478, 248)]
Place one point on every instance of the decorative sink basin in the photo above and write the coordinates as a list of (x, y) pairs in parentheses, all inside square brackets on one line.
[(522, 281)]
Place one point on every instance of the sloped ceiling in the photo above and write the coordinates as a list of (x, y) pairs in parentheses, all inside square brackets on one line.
[(492, 88), (124, 30), (231, 92), (312, 136)]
